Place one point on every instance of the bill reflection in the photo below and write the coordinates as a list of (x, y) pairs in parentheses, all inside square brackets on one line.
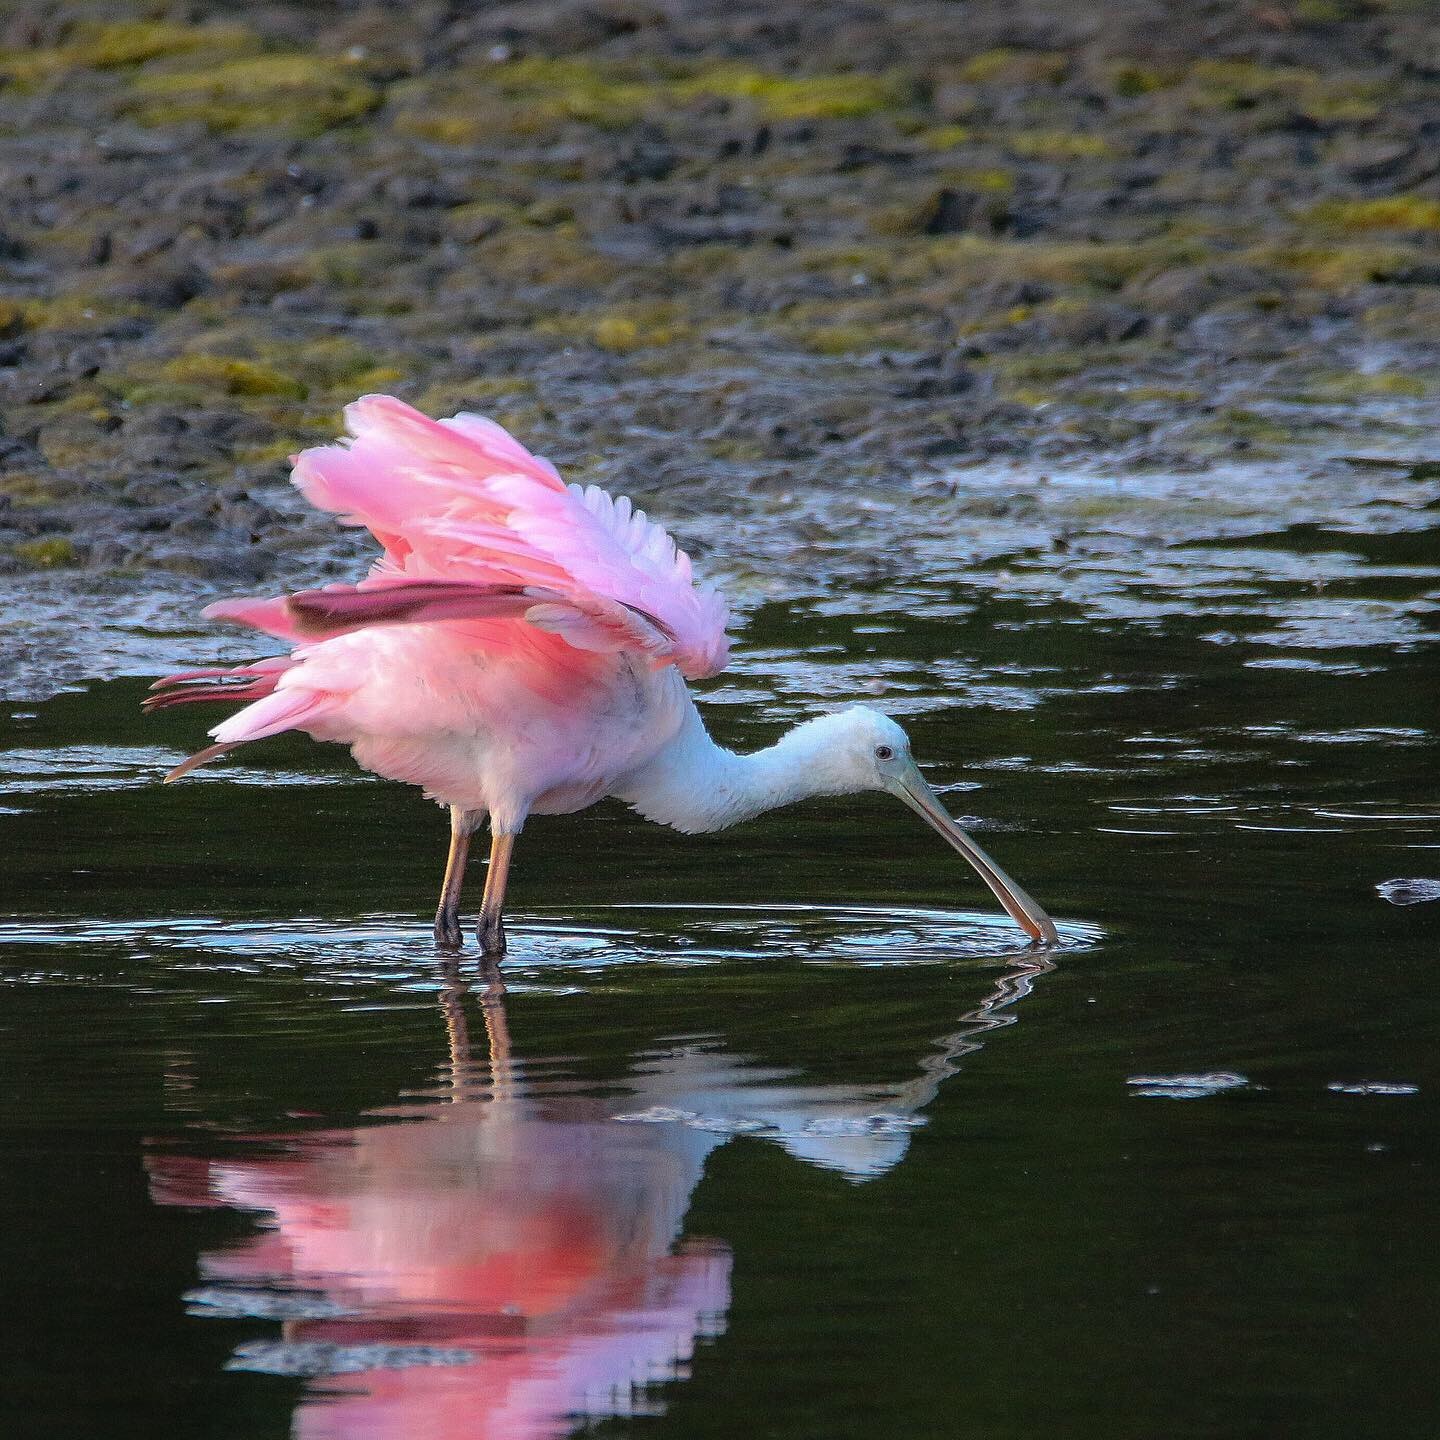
[(508, 1264)]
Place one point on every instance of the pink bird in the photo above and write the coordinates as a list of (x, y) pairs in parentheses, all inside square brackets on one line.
[(521, 648)]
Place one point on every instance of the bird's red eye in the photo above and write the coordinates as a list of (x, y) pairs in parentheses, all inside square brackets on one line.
[(884, 752)]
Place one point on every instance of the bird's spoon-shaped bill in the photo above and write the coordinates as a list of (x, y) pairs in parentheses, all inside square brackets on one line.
[(910, 786)]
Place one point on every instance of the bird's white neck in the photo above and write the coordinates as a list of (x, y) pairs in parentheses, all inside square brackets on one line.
[(694, 785)]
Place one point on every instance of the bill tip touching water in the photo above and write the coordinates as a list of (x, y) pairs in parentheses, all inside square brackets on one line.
[(521, 648)]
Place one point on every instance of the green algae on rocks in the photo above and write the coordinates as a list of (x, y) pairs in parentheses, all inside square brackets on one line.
[(537, 93), (880, 242), (1384, 212), (118, 44), (232, 376), (49, 552), (297, 93)]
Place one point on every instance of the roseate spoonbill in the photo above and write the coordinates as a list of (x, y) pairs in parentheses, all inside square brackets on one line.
[(520, 648)]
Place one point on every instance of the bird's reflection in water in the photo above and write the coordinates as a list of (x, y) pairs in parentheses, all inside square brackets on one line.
[(505, 1264)]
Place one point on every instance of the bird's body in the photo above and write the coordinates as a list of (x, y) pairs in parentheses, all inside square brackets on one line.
[(520, 648), (479, 727)]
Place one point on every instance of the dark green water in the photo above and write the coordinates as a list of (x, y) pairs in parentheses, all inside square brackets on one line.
[(779, 1132)]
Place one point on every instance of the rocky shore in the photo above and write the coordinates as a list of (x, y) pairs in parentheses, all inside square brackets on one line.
[(722, 256)]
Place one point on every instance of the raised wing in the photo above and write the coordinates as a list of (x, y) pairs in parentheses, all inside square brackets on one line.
[(473, 526)]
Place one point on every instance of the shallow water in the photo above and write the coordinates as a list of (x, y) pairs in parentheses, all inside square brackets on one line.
[(778, 1132)]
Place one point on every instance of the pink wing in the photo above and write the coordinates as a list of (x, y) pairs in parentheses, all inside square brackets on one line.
[(475, 527)]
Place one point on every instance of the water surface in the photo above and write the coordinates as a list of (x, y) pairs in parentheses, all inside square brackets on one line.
[(783, 1131)]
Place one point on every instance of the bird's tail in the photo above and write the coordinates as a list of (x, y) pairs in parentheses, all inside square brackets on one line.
[(268, 712), (195, 761), (238, 682)]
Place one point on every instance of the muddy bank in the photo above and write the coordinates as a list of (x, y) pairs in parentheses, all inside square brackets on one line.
[(725, 257)]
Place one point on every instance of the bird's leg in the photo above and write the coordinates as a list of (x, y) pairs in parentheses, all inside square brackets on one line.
[(491, 930), (448, 935)]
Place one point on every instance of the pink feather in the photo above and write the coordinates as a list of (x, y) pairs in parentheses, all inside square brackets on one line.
[(463, 502), (504, 603), (236, 682)]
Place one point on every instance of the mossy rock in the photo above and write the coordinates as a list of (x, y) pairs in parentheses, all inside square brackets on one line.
[(612, 94), (1053, 365), (944, 137), (267, 277), (641, 325), (1241, 84), (1082, 321), (1130, 79), (945, 270), (165, 394), (527, 96), (29, 487), (256, 365), (232, 376), (538, 93), (622, 334), (1343, 385), (295, 93), (1259, 432), (118, 44), (1103, 265), (987, 180), (607, 95), (48, 552), (1007, 67), (350, 264), (554, 256), (477, 220), (545, 213), (75, 310), (132, 42), (1339, 267), (328, 362), (270, 453), (949, 210), (738, 449), (1058, 145), (480, 394), (1248, 84), (1163, 395), (69, 439), (1341, 104), (853, 337), (1386, 212), (833, 96), (378, 377), (527, 420)]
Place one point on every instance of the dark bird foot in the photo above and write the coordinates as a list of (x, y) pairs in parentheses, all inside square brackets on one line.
[(448, 934), (490, 932)]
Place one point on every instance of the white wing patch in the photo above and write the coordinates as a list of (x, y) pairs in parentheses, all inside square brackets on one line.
[(645, 541)]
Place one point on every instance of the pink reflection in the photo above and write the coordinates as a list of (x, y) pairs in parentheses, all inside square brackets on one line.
[(502, 1265), (508, 1265)]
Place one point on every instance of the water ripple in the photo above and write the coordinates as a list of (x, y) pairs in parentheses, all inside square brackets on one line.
[(1409, 892), (543, 946), (1187, 1087)]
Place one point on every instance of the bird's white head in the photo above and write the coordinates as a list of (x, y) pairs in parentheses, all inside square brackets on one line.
[(851, 750), (860, 749)]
